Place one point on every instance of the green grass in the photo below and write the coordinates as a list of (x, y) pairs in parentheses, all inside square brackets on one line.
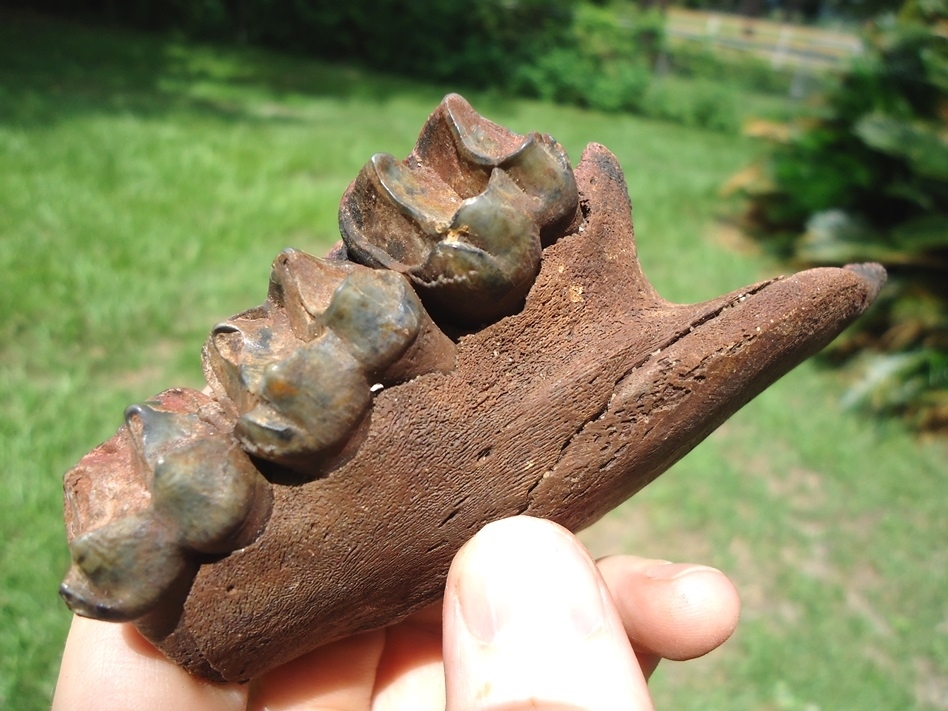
[(145, 186)]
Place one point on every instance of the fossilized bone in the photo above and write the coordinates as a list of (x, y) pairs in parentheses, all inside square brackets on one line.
[(349, 442)]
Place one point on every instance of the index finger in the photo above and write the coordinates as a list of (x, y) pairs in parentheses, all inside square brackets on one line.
[(108, 666)]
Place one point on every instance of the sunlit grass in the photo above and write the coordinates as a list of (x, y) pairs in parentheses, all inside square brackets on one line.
[(145, 187)]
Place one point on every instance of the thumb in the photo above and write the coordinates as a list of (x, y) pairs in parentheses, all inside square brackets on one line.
[(529, 623)]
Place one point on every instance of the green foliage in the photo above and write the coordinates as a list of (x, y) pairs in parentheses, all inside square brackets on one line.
[(701, 103), (866, 179), (604, 62), (697, 59)]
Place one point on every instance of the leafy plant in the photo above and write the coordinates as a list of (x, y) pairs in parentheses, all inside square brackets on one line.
[(604, 61), (865, 178)]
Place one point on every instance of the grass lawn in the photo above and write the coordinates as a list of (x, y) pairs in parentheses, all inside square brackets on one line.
[(145, 186)]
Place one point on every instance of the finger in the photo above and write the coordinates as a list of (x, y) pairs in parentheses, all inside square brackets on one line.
[(411, 673), (107, 666), (529, 623), (338, 676), (379, 669), (674, 611)]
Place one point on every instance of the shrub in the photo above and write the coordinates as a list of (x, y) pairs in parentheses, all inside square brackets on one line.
[(470, 43), (866, 178), (603, 62)]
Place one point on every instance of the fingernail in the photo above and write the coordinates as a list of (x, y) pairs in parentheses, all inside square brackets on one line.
[(529, 587), (666, 570)]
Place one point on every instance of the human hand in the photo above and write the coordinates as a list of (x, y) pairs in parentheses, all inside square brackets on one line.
[(528, 621)]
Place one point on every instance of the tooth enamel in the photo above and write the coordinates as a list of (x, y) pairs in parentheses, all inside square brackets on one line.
[(377, 315), (310, 401), (125, 567), (421, 197), (209, 491), (442, 195)]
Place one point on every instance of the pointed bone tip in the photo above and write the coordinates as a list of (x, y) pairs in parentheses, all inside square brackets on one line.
[(872, 276)]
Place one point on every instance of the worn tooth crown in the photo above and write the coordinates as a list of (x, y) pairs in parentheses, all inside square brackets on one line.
[(122, 570), (463, 217), (210, 509)]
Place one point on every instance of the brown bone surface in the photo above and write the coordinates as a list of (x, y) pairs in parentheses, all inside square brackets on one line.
[(561, 410)]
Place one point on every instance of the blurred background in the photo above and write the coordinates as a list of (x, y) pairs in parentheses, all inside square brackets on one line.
[(156, 156)]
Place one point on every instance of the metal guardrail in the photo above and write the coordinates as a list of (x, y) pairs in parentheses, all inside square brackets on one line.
[(783, 44)]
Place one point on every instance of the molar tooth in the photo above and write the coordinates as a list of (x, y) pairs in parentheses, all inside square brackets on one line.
[(377, 314), (473, 260), (213, 498), (121, 571), (311, 401)]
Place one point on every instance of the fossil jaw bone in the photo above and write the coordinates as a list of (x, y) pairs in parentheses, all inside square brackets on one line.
[(562, 409)]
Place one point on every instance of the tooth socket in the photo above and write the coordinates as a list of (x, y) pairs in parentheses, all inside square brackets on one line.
[(464, 217)]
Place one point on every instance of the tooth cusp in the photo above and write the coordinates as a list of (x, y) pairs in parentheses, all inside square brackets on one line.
[(121, 570), (212, 497), (309, 404), (377, 315)]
